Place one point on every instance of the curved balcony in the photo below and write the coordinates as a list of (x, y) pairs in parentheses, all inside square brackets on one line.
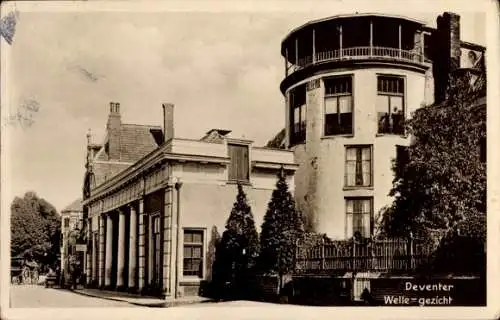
[(359, 53)]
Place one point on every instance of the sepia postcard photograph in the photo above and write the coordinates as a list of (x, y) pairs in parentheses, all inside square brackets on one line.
[(249, 159)]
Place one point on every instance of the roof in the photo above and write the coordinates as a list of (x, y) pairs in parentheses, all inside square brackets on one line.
[(75, 206), (215, 135), (136, 141)]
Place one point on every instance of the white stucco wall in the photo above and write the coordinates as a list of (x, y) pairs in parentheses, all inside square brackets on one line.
[(320, 176)]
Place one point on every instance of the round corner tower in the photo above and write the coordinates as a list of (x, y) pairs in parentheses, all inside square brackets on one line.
[(350, 82)]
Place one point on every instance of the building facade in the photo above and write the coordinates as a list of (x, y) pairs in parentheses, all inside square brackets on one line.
[(71, 224), (156, 204), (350, 83)]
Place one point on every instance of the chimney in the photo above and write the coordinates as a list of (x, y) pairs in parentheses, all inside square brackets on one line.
[(168, 121), (446, 52), (113, 128), (453, 24)]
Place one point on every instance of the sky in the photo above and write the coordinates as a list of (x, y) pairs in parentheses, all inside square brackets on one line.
[(221, 69)]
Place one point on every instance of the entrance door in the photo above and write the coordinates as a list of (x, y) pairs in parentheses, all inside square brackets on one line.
[(157, 266)]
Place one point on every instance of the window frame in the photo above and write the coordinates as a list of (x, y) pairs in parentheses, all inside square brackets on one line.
[(371, 214), (202, 245), (401, 151), (230, 166), (337, 97), (297, 136), (358, 147), (390, 94), (67, 223)]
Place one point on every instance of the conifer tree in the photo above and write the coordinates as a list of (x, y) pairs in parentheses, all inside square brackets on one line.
[(281, 228), (239, 247)]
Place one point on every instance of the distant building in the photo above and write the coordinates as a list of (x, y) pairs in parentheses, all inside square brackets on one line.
[(155, 204), (350, 82), (71, 224)]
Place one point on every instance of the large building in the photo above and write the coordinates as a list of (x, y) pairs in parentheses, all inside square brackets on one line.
[(350, 82), (155, 204), (71, 224)]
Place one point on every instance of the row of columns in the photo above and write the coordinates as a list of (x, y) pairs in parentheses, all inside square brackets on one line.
[(107, 250), (101, 260), (340, 45)]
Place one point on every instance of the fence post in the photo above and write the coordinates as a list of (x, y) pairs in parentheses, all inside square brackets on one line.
[(322, 253), (410, 252), (353, 254)]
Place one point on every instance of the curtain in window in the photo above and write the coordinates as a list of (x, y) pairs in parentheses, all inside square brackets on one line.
[(366, 215), (345, 110), (349, 216), (296, 115), (303, 113), (366, 166), (382, 107), (351, 167), (397, 116), (331, 105), (358, 214)]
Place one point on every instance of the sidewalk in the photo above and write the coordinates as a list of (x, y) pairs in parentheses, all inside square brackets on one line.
[(139, 300)]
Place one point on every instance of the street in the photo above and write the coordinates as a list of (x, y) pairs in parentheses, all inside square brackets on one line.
[(32, 296)]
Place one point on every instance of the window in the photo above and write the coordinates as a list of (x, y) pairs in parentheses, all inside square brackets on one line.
[(66, 222), (358, 166), (239, 165), (193, 253), (298, 115), (390, 104), (359, 214), (402, 158), (338, 105)]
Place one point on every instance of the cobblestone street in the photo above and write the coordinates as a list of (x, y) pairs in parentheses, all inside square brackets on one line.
[(32, 296)]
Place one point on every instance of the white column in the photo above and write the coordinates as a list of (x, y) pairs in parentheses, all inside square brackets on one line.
[(399, 40), (167, 241), (340, 41), (422, 41), (371, 38), (120, 279), (314, 46), (132, 264), (150, 249), (297, 51), (88, 266), (102, 240), (142, 246), (95, 265), (286, 62), (109, 250)]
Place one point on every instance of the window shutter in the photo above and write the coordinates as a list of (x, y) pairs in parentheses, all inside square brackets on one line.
[(239, 166)]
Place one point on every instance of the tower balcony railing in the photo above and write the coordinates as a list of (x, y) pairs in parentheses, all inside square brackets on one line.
[(359, 53)]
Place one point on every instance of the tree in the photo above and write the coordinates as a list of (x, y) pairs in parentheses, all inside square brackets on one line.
[(238, 249), (442, 185), (35, 228), (278, 141), (281, 228)]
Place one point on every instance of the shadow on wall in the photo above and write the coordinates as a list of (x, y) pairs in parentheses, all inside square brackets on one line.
[(207, 287)]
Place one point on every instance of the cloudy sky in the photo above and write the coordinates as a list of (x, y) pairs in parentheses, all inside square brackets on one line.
[(221, 68)]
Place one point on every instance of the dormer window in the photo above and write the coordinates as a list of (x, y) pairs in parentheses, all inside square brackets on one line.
[(239, 163)]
